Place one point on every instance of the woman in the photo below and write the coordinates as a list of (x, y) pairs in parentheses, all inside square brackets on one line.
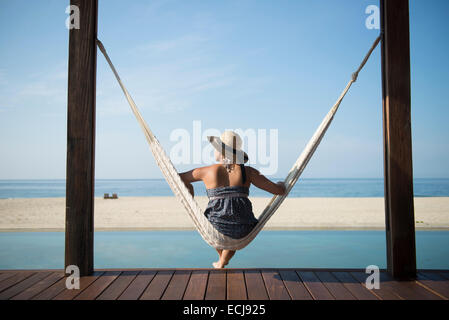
[(227, 185)]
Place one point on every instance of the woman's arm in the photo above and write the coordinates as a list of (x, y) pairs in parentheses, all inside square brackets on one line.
[(192, 176), (262, 182)]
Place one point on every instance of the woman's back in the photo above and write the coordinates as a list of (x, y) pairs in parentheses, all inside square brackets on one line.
[(217, 176)]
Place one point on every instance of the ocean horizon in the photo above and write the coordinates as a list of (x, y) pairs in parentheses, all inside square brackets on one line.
[(307, 187)]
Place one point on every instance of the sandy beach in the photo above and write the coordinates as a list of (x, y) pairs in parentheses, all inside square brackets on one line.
[(165, 213)]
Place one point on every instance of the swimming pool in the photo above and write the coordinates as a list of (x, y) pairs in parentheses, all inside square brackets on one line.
[(186, 249)]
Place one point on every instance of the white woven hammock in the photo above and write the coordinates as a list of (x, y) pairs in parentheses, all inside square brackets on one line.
[(205, 228)]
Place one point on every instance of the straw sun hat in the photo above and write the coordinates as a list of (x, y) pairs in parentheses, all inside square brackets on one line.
[(229, 144)]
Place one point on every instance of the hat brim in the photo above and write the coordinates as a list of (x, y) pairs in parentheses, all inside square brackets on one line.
[(238, 156)]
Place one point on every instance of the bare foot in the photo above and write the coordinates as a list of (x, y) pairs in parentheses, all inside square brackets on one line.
[(219, 265)]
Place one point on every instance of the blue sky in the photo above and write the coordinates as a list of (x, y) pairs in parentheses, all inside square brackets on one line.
[(230, 64)]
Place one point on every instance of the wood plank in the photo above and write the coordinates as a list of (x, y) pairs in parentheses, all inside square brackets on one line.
[(435, 282), (6, 275), (15, 279), (296, 289), (335, 287), (408, 290), (235, 285), (40, 286), (382, 293), (138, 285), (115, 289), (23, 285), (314, 286), (85, 282), (216, 286), (98, 286), (255, 285), (157, 286), (80, 165), (177, 286), (354, 286), (275, 286), (51, 291), (196, 288)]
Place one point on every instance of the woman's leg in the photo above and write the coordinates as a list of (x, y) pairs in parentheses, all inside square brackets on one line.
[(219, 251), (225, 256)]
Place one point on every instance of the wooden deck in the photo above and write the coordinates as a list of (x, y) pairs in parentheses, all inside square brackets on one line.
[(226, 284)]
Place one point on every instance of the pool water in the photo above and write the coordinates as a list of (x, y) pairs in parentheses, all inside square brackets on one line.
[(186, 249)]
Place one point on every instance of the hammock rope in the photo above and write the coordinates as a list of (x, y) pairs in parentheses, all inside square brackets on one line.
[(204, 227)]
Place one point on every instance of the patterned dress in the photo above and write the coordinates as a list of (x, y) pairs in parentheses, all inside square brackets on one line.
[(230, 211)]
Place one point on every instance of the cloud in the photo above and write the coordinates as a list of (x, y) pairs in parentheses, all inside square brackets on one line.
[(184, 42), (39, 88), (3, 80), (180, 69), (49, 84), (45, 89), (172, 74)]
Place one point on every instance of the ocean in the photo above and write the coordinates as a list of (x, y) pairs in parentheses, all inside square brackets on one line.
[(339, 188)]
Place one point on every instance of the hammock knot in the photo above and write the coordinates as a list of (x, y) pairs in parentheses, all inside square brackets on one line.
[(354, 76)]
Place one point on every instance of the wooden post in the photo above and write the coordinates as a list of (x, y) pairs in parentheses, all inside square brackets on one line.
[(79, 228), (398, 170)]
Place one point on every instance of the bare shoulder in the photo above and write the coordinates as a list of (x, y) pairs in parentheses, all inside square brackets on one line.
[(213, 167), (210, 170), (252, 171), (262, 182), (198, 174), (253, 174)]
